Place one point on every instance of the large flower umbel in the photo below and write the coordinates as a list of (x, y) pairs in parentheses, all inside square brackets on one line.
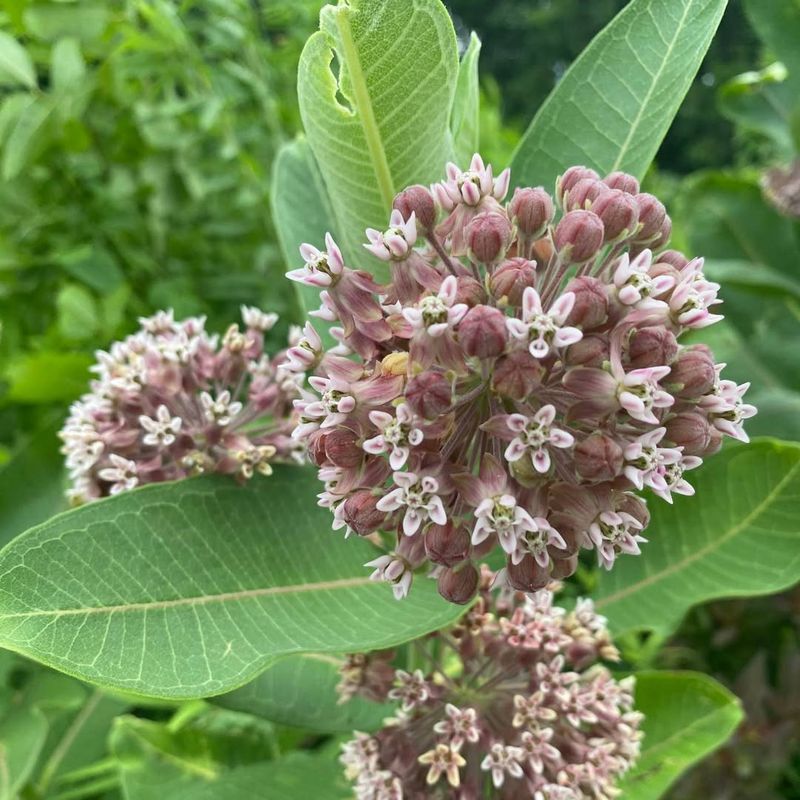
[(511, 704), (518, 383), (172, 401)]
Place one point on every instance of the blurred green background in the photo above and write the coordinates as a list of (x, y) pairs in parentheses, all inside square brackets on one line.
[(135, 175)]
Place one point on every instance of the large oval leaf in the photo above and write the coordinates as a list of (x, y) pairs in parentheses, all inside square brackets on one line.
[(739, 535), (382, 123), (190, 589), (687, 716), (614, 105)]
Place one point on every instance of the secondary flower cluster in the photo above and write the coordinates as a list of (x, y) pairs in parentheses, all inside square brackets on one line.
[(172, 401), (518, 380), (511, 705)]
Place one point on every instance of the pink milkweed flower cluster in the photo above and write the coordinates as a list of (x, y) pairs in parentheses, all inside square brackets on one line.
[(512, 704), (172, 400), (518, 381)]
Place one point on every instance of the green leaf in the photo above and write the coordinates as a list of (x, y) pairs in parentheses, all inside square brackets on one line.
[(191, 589), (777, 23), (298, 776), (300, 208), (22, 735), (465, 121), (32, 483), (77, 313), (738, 536), (48, 377), (383, 122), (615, 104), (762, 102), (686, 716), (67, 67), (16, 66), (301, 691), (52, 21), (28, 137)]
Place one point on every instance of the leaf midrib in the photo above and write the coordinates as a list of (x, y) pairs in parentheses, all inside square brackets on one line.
[(676, 566), (222, 597)]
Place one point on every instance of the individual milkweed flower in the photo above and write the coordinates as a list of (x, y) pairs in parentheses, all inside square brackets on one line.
[(172, 401), (516, 384), (545, 717)]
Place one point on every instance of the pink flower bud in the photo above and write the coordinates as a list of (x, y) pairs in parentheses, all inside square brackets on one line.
[(483, 333), (566, 181), (651, 216), (458, 586), (663, 237), (691, 431), (652, 347), (488, 237), (591, 351), (578, 236), (591, 302), (469, 291), (622, 181), (447, 544), (673, 257), (633, 505), (584, 193), (419, 201), (429, 395), (619, 213), (693, 372), (516, 375), (361, 514), (511, 278), (528, 575), (531, 210), (342, 448), (412, 549), (598, 458), (564, 567)]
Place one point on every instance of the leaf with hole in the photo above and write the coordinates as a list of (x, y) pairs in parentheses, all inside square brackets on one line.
[(738, 536), (615, 104), (191, 589)]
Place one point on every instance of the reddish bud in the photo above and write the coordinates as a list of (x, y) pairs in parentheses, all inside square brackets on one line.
[(693, 372), (447, 544), (511, 279), (342, 448), (633, 505), (673, 257), (532, 211), (622, 181), (418, 200), (429, 395), (458, 586), (691, 431), (663, 238), (564, 567), (488, 237), (619, 213), (566, 181), (412, 549), (591, 351), (598, 458), (652, 347), (516, 375), (591, 302), (469, 291), (578, 236), (651, 216), (361, 513), (482, 333), (528, 575), (584, 193)]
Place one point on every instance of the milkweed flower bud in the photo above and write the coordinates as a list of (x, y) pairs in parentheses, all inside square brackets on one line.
[(528, 706), (482, 402), (172, 401), (458, 585), (417, 201), (578, 236)]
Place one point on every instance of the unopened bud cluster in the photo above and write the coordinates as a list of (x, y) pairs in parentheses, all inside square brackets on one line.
[(511, 704), (517, 383), (172, 401)]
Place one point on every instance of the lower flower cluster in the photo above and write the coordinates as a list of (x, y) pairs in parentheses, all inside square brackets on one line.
[(512, 704), (172, 401)]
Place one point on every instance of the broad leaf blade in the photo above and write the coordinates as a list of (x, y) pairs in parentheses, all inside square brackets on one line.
[(614, 105), (301, 691), (737, 536), (384, 123), (686, 716), (190, 589), (465, 122), (16, 66)]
